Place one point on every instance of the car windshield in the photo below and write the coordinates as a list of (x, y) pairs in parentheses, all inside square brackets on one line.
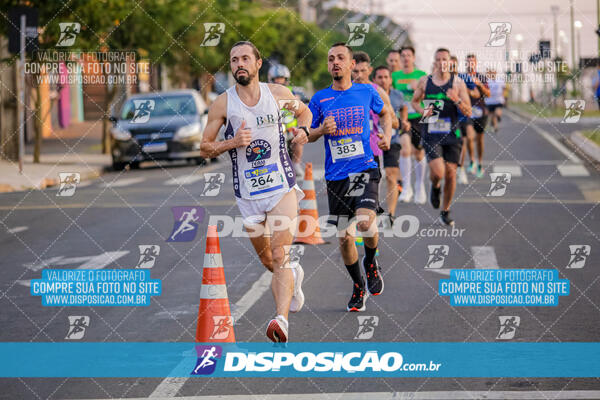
[(159, 107)]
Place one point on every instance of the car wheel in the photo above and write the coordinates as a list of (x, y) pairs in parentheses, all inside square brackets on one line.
[(118, 166)]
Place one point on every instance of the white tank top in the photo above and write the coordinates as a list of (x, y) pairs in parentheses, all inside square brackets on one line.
[(263, 168)]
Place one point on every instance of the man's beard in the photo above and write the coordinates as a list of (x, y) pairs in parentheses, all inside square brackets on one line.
[(243, 80), (338, 77)]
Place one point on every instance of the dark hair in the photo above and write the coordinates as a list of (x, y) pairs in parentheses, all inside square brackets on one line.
[(393, 51), (380, 68), (361, 56), (407, 48), (442, 49), (453, 57), (344, 45), (471, 56), (247, 43)]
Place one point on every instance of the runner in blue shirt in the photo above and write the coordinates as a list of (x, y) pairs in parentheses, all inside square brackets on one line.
[(341, 115)]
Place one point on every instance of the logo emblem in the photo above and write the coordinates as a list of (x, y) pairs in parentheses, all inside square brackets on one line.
[(500, 181), (437, 256), (436, 107), (212, 33), (207, 359), (508, 327), (68, 33), (77, 326), (68, 183), (258, 150), (579, 255), (499, 32), (358, 33), (366, 326), (212, 183), (186, 223), (573, 111), (223, 325), (357, 184), (148, 255), (142, 110)]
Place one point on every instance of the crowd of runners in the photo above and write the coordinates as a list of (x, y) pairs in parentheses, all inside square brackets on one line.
[(393, 114)]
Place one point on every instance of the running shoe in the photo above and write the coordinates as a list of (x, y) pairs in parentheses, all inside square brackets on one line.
[(462, 176), (434, 196), (479, 172), (277, 330), (445, 218), (298, 297), (374, 279), (472, 168), (420, 194), (358, 299), (406, 195)]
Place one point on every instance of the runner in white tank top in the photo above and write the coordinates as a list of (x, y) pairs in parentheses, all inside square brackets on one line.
[(264, 182)]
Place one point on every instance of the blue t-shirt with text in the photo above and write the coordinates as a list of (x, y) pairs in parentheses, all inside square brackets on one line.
[(348, 150)]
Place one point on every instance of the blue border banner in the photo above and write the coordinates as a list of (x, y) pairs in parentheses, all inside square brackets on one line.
[(364, 359)]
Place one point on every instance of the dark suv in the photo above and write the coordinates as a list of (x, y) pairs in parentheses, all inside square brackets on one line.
[(158, 126)]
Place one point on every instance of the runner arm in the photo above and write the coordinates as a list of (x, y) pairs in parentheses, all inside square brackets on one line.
[(301, 112), (463, 102), (209, 147), (388, 104), (419, 95)]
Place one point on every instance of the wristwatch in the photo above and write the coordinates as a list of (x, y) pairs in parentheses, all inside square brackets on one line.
[(305, 129)]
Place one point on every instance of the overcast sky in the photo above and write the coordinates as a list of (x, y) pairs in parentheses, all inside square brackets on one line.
[(463, 26)]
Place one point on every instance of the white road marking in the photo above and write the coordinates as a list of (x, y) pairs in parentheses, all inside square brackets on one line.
[(88, 262), (484, 257), (169, 387), (558, 145), (573, 170), (184, 180), (514, 170), (17, 229), (421, 395), (123, 182)]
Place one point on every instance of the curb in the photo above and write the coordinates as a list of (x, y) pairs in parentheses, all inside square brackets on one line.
[(49, 182), (586, 145)]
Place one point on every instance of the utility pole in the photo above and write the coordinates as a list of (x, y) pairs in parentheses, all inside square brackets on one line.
[(573, 37)]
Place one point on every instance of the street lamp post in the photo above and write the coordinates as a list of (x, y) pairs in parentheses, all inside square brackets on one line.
[(519, 39)]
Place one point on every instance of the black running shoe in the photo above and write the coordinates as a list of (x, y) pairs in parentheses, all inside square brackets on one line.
[(445, 218), (374, 279), (358, 299), (434, 196)]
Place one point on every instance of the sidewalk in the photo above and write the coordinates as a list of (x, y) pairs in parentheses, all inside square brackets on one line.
[(66, 151)]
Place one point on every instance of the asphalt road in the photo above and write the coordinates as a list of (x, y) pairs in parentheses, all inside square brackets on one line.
[(550, 204)]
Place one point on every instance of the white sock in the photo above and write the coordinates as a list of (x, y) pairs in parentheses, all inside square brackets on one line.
[(283, 318), (293, 271), (420, 172), (405, 171)]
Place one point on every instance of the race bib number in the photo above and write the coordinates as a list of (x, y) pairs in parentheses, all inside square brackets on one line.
[(263, 179), (442, 125), (346, 148), (476, 112)]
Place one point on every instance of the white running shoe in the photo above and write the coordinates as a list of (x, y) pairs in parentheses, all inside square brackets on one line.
[(406, 195), (420, 195), (298, 297), (277, 330), (462, 176)]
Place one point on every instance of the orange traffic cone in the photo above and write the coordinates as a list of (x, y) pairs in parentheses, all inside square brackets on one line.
[(308, 225), (215, 323)]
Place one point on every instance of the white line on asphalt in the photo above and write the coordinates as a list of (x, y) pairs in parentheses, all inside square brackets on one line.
[(514, 170), (88, 262), (17, 229), (184, 180), (169, 387), (432, 395), (573, 170), (484, 257), (558, 145), (123, 182)]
